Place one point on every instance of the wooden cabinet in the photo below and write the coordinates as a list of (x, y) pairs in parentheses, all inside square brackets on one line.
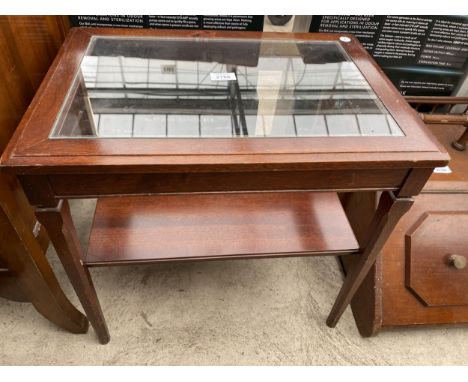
[(436, 249), (28, 45), (416, 280)]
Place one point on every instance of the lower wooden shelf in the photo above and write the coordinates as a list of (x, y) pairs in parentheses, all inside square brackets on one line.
[(215, 226)]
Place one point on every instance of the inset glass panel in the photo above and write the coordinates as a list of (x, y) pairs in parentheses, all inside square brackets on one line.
[(219, 88)]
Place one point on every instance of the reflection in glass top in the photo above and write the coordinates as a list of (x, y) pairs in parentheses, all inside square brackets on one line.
[(213, 88)]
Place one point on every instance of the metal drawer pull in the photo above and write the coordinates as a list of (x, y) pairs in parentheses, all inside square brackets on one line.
[(457, 261)]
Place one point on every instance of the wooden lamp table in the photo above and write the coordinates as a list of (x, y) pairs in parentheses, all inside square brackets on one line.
[(216, 145)]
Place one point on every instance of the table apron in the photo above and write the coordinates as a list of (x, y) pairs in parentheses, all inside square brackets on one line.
[(93, 185)]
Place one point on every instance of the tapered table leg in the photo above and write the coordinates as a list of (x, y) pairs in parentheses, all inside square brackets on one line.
[(389, 212), (59, 225)]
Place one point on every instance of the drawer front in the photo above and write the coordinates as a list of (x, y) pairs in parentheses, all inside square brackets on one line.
[(436, 251)]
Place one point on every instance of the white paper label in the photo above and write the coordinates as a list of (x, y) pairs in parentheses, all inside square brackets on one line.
[(223, 76), (168, 69), (442, 170)]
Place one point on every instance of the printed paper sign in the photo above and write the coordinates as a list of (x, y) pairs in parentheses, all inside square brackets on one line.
[(442, 170), (223, 76)]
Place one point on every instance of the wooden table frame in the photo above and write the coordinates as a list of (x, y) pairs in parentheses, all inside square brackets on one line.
[(398, 166)]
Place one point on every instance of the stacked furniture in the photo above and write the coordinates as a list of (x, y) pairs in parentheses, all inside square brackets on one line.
[(421, 277)]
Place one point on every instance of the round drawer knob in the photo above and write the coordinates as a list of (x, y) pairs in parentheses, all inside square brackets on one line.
[(458, 261)]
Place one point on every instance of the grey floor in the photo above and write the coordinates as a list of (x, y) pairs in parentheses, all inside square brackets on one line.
[(254, 312)]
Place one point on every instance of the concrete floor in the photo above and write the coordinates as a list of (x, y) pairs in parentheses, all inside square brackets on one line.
[(254, 312)]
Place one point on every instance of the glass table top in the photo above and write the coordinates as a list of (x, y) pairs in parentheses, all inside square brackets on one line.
[(219, 88)]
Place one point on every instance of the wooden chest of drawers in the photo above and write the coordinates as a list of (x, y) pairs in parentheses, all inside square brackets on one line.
[(422, 277)]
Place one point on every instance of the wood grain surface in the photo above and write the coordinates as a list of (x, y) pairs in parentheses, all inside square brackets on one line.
[(216, 226), (34, 150), (429, 244), (386, 299)]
